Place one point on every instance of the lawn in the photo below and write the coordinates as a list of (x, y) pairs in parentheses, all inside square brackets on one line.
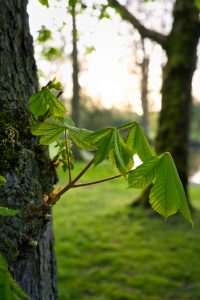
[(109, 251)]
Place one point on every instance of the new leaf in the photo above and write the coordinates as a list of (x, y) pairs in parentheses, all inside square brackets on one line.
[(109, 144), (43, 101), (137, 142), (167, 195)]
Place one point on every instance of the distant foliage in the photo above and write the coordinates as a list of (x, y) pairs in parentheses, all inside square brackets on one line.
[(44, 2)]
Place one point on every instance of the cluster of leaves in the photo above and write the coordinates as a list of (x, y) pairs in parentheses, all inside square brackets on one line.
[(9, 289), (118, 145)]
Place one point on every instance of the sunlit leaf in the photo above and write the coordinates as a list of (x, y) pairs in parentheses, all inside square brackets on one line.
[(53, 84), (167, 195), (137, 142), (38, 104), (197, 3), (79, 137), (144, 174), (2, 180), (44, 100), (50, 132), (44, 35), (109, 144)]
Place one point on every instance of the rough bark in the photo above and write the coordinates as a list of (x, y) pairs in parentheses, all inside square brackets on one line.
[(23, 162)]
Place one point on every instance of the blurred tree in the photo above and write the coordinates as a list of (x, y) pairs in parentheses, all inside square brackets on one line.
[(23, 162), (180, 46), (75, 104)]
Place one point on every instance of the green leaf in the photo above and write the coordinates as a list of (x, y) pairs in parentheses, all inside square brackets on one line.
[(138, 144), (79, 137), (197, 3), (167, 195), (44, 2), (56, 108), (51, 53), (2, 180), (95, 138), (4, 211), (44, 100), (44, 35), (9, 289), (50, 131), (65, 121), (55, 85), (144, 174), (38, 104), (122, 155), (104, 148), (109, 144)]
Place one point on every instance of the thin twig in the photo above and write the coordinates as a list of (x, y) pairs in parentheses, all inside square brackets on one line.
[(59, 94), (96, 181)]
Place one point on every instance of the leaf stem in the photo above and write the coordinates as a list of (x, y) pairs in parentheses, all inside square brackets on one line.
[(68, 161), (96, 181)]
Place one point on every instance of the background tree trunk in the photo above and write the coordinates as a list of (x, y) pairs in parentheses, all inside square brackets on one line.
[(75, 80), (144, 88), (174, 120), (23, 162), (181, 46)]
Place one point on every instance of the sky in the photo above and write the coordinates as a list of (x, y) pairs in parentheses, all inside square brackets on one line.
[(109, 74)]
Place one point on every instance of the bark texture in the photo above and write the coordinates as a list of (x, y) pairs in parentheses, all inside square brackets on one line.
[(23, 162)]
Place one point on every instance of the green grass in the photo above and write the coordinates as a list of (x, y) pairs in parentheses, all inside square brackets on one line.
[(109, 251)]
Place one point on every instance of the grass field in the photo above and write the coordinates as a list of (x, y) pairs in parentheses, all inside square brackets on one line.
[(109, 251)]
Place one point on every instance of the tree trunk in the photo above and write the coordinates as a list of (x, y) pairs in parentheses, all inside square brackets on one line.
[(75, 80), (23, 162), (174, 122), (181, 47), (144, 88)]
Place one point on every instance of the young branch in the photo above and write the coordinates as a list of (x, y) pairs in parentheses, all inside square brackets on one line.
[(72, 183), (59, 94), (144, 32)]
